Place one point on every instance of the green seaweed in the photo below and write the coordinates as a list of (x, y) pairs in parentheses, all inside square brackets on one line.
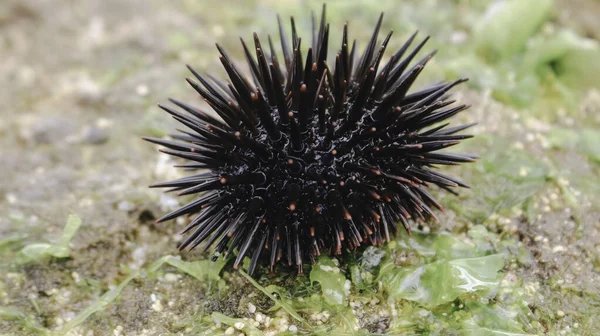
[(494, 320), (450, 286), (278, 302), (37, 251), (501, 34), (564, 54), (333, 283), (12, 314), (452, 269), (10, 241), (201, 269), (585, 140), (470, 317), (98, 305)]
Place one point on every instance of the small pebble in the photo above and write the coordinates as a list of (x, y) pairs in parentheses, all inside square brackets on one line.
[(530, 137), (47, 130), (118, 330), (170, 277), (88, 91), (142, 90), (458, 37), (125, 206), (76, 277), (94, 135), (11, 198), (157, 306), (523, 171)]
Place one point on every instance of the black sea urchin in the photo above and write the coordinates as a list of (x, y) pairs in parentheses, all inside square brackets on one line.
[(305, 158)]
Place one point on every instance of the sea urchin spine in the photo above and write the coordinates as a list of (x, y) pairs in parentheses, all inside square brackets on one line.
[(304, 158)]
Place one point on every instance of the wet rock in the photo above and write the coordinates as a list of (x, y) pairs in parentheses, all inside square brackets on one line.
[(88, 91), (46, 130), (94, 135)]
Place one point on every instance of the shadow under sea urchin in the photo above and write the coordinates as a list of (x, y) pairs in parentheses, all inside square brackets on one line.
[(305, 158)]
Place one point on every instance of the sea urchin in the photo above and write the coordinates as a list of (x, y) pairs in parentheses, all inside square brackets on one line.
[(306, 158)]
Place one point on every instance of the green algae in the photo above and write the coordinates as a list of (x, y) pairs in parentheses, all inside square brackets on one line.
[(448, 268), (107, 298), (501, 34), (201, 269), (444, 273), (333, 283), (586, 141), (525, 60), (269, 292), (453, 288), (442, 280), (501, 179), (12, 314), (98, 305), (37, 251), (566, 55)]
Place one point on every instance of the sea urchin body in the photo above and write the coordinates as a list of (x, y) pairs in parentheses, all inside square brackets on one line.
[(308, 158)]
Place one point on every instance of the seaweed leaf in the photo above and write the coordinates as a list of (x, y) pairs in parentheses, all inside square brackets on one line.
[(451, 269), (97, 305), (200, 269), (501, 33), (283, 304), (332, 281), (37, 251), (12, 314)]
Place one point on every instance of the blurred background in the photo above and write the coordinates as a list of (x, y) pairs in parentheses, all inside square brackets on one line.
[(80, 83)]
